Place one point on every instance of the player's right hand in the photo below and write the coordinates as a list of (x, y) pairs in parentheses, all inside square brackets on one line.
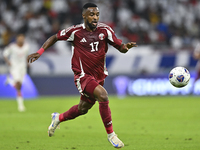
[(32, 57)]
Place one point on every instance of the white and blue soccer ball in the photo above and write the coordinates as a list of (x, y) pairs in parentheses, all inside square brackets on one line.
[(179, 77)]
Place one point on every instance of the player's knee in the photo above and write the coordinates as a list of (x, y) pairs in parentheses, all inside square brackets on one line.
[(83, 110), (103, 96), (18, 85)]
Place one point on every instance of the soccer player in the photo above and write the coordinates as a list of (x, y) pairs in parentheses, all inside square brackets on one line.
[(89, 45), (15, 55), (196, 55)]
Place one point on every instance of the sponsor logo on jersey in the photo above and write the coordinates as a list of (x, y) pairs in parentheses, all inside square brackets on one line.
[(101, 36), (83, 40)]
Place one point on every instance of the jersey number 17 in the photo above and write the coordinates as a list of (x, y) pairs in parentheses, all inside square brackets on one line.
[(94, 46)]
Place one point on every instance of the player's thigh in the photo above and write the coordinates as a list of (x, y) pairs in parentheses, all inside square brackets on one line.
[(100, 93), (18, 75), (95, 91), (87, 94), (89, 89), (86, 86)]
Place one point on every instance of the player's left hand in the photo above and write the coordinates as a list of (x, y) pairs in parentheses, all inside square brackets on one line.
[(129, 45), (32, 57), (125, 47)]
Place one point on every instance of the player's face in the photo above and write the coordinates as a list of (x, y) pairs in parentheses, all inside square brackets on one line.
[(91, 17), (20, 40)]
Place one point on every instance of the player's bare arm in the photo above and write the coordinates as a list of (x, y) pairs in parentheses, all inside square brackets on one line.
[(196, 55), (49, 42), (7, 61), (125, 47)]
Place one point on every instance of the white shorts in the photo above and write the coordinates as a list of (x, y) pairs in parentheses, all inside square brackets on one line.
[(18, 74)]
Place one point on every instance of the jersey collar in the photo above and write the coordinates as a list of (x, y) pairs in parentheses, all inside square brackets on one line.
[(83, 25)]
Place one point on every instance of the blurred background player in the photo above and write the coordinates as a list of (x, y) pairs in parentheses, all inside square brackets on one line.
[(196, 56), (89, 44), (15, 55)]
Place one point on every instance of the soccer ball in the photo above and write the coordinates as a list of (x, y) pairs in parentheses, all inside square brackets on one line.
[(179, 77)]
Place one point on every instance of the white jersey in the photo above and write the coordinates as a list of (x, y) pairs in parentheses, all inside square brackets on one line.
[(17, 56), (197, 51), (197, 48)]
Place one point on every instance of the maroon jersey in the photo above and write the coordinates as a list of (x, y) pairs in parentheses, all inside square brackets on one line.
[(89, 48)]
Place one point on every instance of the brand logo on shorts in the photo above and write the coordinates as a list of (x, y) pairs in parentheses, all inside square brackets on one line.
[(101, 36)]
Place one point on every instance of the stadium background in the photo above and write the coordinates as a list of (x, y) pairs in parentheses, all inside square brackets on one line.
[(166, 32)]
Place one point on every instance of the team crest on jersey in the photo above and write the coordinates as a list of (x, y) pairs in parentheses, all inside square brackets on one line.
[(101, 36)]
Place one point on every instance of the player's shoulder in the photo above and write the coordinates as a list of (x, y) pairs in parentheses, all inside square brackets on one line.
[(75, 27), (26, 45), (12, 45), (71, 29), (79, 26), (104, 26)]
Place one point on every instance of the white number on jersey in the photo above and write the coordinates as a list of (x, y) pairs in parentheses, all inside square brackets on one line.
[(94, 46)]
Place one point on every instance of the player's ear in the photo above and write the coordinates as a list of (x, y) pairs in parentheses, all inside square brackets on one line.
[(83, 15)]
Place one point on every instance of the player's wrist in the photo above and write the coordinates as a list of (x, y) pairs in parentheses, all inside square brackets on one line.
[(40, 51), (123, 46)]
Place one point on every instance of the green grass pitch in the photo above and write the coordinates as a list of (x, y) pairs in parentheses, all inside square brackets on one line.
[(142, 123)]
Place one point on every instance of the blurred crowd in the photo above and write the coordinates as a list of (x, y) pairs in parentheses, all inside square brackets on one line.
[(173, 24)]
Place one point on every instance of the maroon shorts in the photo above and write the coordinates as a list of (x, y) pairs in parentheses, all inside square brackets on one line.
[(86, 85)]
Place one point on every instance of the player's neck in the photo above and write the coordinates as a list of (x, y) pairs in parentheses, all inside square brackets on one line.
[(89, 29), (20, 45)]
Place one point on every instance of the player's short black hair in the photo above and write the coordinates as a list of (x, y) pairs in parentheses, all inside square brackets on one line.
[(20, 34), (88, 5)]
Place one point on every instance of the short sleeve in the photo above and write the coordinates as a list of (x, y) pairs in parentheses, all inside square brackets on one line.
[(112, 38), (7, 51), (65, 33)]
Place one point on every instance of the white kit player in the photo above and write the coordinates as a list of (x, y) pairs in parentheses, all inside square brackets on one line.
[(196, 55), (15, 55)]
